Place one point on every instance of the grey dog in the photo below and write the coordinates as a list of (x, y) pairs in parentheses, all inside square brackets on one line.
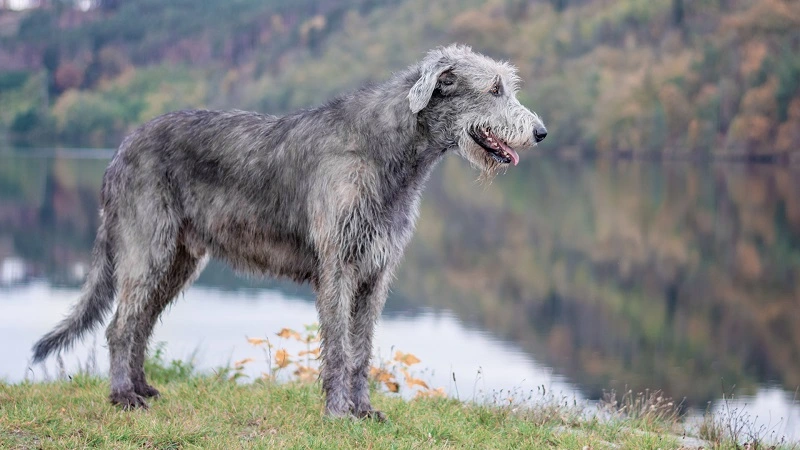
[(327, 196)]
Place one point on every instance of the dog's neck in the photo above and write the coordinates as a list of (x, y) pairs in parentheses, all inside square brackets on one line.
[(402, 160), (411, 153)]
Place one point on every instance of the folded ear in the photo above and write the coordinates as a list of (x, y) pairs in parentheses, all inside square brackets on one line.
[(420, 94)]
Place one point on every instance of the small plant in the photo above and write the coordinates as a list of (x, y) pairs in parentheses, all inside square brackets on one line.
[(735, 426), (650, 407), (160, 371), (711, 428), (390, 374)]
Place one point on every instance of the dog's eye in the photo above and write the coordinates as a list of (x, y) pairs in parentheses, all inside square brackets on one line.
[(496, 90)]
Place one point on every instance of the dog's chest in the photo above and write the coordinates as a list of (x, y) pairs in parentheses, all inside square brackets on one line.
[(401, 218)]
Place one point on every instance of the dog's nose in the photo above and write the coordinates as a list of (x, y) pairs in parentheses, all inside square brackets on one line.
[(539, 134)]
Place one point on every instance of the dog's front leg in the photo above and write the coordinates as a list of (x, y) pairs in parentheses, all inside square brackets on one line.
[(334, 297), (366, 309)]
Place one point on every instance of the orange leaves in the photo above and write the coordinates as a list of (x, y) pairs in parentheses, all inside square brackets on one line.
[(303, 360), (405, 358), (382, 375), (306, 374), (287, 333), (391, 374), (315, 352), (312, 334), (282, 358), (385, 377), (392, 386), (411, 381), (238, 369), (431, 393), (390, 377), (258, 341), (242, 362)]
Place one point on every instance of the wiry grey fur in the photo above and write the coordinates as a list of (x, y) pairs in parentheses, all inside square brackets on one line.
[(327, 196)]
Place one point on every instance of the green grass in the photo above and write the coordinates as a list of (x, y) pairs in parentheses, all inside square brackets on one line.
[(211, 411), (207, 412)]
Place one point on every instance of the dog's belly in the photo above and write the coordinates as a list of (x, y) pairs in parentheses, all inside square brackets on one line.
[(253, 248)]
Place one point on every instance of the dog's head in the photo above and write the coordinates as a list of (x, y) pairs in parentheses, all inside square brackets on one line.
[(470, 100)]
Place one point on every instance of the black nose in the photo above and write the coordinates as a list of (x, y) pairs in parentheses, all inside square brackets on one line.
[(539, 134)]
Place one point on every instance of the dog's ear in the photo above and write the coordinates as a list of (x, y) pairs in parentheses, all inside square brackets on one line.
[(431, 73)]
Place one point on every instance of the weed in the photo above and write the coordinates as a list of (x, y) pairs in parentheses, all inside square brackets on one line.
[(159, 371), (392, 375)]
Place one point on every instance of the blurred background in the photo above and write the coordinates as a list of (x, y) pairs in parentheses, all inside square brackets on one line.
[(652, 241)]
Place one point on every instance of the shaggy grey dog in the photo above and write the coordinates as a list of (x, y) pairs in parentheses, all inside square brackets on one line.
[(327, 196)]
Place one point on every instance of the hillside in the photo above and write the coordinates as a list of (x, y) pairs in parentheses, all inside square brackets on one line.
[(702, 78)]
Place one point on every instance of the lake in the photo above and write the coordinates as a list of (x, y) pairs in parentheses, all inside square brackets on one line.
[(574, 276)]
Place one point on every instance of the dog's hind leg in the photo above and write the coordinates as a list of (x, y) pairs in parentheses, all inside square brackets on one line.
[(122, 333), (147, 248), (183, 268)]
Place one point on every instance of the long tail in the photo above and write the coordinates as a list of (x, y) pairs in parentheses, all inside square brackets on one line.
[(95, 303)]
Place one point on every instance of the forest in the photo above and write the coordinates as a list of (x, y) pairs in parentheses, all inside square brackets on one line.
[(651, 78)]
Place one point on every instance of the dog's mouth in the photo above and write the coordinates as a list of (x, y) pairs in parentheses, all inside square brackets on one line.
[(494, 146)]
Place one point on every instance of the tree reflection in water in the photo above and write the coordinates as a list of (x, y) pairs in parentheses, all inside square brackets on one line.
[(674, 276)]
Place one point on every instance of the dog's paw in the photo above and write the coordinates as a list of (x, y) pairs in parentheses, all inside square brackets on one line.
[(128, 400), (372, 414), (146, 391)]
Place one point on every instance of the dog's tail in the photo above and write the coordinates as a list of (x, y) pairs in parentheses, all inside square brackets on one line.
[(96, 301)]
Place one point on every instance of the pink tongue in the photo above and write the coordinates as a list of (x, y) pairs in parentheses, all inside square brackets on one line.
[(510, 151)]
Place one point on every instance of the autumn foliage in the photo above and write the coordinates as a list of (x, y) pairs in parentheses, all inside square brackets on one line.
[(304, 365), (714, 78)]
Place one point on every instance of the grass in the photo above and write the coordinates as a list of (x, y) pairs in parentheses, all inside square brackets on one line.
[(215, 411)]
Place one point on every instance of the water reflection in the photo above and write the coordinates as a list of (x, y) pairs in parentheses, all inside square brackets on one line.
[(211, 325), (675, 276)]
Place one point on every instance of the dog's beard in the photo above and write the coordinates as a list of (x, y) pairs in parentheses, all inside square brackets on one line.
[(481, 160)]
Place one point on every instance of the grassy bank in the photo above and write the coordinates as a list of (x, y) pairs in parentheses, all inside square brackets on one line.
[(209, 412), (215, 411), (218, 412)]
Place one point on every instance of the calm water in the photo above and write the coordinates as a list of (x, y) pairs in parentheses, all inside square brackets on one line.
[(579, 277)]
